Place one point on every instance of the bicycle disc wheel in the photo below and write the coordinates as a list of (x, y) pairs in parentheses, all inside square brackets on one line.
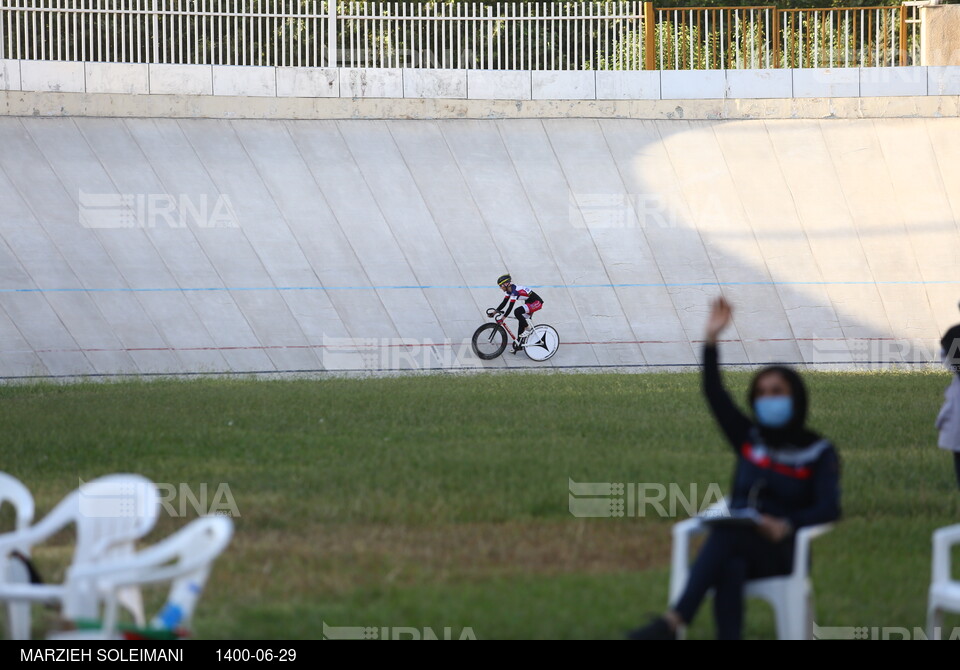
[(542, 343), (489, 341)]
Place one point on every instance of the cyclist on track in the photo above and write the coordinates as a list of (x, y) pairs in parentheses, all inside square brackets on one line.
[(532, 303)]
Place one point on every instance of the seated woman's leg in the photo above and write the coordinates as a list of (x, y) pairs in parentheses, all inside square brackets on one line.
[(706, 570), (728, 599), (729, 558)]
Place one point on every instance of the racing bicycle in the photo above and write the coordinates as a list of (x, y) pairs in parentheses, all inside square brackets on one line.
[(539, 342)]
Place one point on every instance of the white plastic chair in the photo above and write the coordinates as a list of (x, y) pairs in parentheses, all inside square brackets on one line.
[(944, 595), (12, 491), (791, 596), (184, 559), (110, 514), (18, 496)]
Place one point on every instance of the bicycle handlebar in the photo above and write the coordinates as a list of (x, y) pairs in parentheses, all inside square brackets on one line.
[(500, 317)]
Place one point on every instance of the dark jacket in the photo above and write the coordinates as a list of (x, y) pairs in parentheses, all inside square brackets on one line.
[(951, 348), (796, 478)]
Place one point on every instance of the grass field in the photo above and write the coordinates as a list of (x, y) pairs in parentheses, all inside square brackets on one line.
[(442, 501)]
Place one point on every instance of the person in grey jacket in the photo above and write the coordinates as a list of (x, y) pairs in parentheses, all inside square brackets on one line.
[(948, 421)]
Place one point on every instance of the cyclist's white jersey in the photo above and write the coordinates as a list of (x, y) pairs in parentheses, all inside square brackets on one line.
[(522, 292)]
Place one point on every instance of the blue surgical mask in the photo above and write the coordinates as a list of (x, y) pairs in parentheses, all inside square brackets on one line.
[(774, 411)]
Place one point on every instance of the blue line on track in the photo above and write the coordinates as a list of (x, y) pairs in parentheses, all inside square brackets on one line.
[(453, 287)]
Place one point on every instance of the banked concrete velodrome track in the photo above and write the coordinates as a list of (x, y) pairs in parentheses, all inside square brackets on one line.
[(312, 245)]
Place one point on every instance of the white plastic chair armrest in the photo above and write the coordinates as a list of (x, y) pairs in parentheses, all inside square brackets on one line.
[(948, 535), (23, 540), (128, 570), (801, 547), (20, 498), (943, 541), (24, 519), (114, 576), (37, 593), (682, 531), (690, 526)]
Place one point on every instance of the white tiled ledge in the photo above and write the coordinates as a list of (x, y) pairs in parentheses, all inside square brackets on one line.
[(301, 82)]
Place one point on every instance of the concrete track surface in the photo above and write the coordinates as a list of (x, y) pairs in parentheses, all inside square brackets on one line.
[(147, 246)]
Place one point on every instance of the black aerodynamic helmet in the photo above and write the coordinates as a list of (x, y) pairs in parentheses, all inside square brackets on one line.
[(504, 279)]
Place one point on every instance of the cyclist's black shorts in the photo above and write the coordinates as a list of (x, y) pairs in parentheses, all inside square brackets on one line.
[(533, 297)]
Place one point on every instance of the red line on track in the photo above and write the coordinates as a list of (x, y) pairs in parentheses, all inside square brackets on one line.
[(361, 345)]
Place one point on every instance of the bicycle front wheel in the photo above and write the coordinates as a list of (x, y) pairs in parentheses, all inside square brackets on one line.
[(542, 343), (489, 341)]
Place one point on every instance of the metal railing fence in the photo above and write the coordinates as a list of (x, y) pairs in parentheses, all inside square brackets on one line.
[(618, 35)]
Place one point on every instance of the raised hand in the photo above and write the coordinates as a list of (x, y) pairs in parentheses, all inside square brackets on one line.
[(720, 316)]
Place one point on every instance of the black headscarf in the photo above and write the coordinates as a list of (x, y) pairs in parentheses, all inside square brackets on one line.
[(951, 347), (794, 434)]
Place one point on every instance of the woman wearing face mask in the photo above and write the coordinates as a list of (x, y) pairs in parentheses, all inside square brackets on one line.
[(788, 473)]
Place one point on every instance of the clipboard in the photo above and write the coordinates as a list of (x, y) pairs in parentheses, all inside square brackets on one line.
[(745, 516)]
